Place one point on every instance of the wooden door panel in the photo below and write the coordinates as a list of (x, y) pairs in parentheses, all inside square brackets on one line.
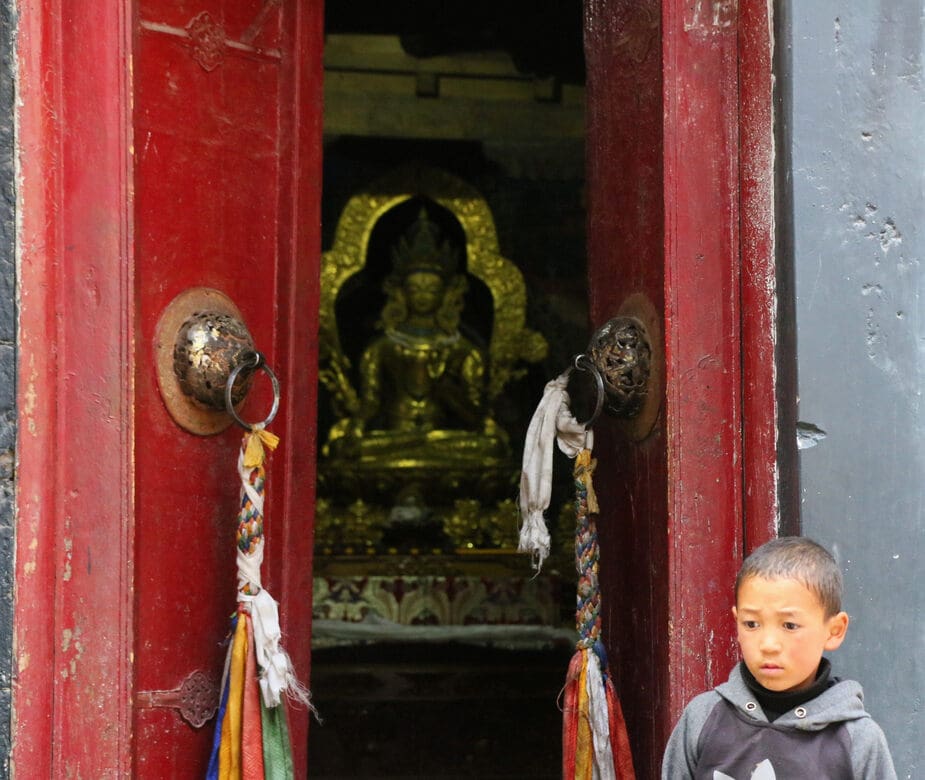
[(176, 146), (678, 119), (209, 184), (626, 233)]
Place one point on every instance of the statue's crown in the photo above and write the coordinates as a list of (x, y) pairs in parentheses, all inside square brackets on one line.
[(420, 250)]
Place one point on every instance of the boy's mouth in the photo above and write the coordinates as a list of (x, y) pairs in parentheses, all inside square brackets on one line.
[(770, 667)]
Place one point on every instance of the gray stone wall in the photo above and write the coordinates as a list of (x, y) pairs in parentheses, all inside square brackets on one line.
[(854, 130)]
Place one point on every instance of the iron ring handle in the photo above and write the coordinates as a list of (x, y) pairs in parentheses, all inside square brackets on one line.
[(583, 363), (257, 362)]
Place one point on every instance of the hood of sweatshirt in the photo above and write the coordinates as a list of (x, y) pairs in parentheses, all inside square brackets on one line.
[(843, 701)]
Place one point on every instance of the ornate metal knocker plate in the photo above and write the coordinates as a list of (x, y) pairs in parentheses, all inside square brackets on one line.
[(625, 358), (206, 362)]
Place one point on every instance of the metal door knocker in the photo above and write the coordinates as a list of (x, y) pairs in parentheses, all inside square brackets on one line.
[(624, 359), (256, 362), (206, 362), (582, 362)]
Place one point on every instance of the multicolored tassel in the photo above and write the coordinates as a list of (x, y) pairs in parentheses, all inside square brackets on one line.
[(251, 736), (594, 739)]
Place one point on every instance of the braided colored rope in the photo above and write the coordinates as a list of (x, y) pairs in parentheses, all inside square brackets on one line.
[(249, 536), (587, 556), (250, 521), (594, 740), (251, 740)]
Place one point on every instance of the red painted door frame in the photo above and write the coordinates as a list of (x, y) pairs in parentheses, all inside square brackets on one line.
[(680, 203), (86, 360), (73, 616)]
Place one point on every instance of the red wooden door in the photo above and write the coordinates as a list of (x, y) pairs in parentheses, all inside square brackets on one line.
[(680, 202), (164, 145)]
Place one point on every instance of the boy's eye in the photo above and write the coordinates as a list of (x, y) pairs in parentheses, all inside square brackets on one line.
[(750, 623), (791, 626)]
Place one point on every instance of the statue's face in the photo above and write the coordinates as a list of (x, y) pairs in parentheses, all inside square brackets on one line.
[(424, 291)]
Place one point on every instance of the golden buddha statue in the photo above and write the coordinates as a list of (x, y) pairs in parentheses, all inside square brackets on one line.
[(413, 445), (420, 412)]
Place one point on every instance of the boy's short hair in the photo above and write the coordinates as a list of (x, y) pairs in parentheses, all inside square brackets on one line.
[(801, 559)]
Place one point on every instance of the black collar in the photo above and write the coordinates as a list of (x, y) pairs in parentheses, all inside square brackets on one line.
[(776, 703)]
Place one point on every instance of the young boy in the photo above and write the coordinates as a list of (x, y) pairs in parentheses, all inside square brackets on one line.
[(782, 715)]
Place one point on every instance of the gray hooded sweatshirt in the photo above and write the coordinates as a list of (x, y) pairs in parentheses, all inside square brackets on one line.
[(724, 735)]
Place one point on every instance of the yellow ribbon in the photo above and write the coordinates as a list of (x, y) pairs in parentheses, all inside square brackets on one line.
[(254, 442), (584, 468), (229, 751), (584, 747)]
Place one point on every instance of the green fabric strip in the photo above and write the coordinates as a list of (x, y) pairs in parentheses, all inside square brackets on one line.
[(277, 753)]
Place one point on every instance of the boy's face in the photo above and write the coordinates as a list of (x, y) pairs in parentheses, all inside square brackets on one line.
[(783, 631)]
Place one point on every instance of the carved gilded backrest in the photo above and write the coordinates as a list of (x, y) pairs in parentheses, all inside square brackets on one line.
[(511, 342)]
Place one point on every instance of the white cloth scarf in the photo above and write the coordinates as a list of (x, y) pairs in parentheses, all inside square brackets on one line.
[(551, 421), (277, 677)]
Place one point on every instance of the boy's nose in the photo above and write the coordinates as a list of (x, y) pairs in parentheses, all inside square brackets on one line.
[(769, 642)]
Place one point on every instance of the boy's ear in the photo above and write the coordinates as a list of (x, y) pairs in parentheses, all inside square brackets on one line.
[(837, 626), (735, 614)]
